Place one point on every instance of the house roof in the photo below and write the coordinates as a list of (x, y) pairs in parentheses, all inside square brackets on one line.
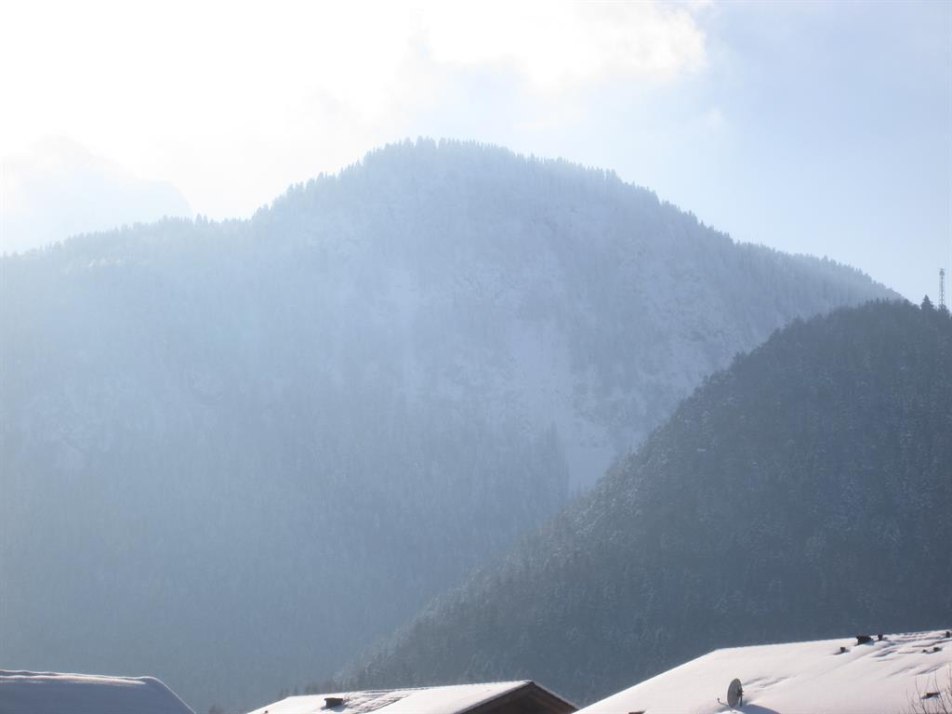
[(56, 693), (891, 675), (452, 699)]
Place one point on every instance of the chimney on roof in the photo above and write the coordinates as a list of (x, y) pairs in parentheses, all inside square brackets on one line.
[(863, 639), (331, 702)]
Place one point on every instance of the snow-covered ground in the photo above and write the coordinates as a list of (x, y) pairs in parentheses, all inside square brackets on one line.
[(890, 676), (428, 700), (54, 693)]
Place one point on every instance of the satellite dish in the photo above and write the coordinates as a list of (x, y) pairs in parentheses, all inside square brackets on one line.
[(735, 694)]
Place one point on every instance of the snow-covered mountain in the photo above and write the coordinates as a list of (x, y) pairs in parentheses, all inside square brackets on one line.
[(804, 491), (257, 445)]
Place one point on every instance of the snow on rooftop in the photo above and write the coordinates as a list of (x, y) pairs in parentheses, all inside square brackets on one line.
[(427, 700), (891, 676), (55, 693)]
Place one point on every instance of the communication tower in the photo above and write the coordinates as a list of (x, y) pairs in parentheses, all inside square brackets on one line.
[(941, 287)]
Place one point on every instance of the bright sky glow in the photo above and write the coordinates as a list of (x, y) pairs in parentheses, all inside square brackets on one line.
[(815, 127), (556, 46)]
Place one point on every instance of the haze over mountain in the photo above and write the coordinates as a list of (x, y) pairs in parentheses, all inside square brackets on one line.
[(58, 188), (806, 490), (235, 453)]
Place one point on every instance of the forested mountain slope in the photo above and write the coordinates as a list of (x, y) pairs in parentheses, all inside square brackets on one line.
[(806, 490), (234, 453)]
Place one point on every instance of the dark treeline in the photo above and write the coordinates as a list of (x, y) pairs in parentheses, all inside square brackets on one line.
[(806, 492)]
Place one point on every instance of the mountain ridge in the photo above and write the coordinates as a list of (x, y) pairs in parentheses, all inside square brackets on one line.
[(783, 500), (327, 413)]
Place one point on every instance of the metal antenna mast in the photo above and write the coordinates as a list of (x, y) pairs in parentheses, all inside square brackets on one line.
[(941, 287)]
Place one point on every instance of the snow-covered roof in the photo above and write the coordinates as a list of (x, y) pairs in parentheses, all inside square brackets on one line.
[(891, 675), (55, 693), (454, 699)]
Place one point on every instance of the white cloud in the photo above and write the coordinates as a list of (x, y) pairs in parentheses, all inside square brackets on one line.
[(563, 44)]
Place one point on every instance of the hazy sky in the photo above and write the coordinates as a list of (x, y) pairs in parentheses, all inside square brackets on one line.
[(823, 128)]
